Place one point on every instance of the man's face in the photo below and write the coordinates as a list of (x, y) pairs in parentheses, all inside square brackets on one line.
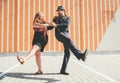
[(60, 12)]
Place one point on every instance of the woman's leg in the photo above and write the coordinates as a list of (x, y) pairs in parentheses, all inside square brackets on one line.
[(38, 60), (30, 54)]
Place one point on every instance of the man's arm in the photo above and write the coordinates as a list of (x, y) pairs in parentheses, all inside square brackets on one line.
[(52, 25)]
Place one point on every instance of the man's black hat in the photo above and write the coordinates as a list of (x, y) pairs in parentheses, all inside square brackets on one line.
[(60, 8)]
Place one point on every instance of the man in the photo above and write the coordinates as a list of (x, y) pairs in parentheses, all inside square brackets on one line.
[(61, 24)]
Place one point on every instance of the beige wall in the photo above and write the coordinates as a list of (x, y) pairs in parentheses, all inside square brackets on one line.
[(89, 21), (111, 39)]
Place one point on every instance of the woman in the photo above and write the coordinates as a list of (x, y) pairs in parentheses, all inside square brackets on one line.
[(39, 41)]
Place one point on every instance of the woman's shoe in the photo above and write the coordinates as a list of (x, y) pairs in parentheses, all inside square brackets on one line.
[(38, 72), (21, 60)]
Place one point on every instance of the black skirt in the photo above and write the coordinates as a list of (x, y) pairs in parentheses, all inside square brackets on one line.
[(39, 40)]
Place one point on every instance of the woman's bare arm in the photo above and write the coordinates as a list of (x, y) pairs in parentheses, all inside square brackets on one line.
[(37, 25), (48, 24)]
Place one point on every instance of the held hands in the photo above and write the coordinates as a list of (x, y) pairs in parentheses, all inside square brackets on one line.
[(45, 25), (53, 24), (49, 24)]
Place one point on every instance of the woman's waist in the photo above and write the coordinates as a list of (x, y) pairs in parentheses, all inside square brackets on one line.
[(38, 33), (40, 36), (39, 30)]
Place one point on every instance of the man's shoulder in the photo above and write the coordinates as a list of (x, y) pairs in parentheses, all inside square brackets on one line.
[(68, 17), (55, 17)]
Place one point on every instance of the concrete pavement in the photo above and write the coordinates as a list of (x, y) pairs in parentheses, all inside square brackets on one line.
[(97, 69)]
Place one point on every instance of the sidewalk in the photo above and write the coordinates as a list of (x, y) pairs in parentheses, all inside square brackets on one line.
[(96, 69)]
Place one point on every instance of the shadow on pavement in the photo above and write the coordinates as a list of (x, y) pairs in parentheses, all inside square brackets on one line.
[(26, 76)]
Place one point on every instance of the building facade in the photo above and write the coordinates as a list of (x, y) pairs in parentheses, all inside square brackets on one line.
[(89, 22)]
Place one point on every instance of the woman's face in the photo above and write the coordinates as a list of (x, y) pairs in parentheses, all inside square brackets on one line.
[(40, 19)]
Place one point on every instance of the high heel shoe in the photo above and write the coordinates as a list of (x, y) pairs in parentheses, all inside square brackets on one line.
[(21, 60), (38, 72)]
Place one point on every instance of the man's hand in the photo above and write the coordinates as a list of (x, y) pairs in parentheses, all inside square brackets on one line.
[(53, 24)]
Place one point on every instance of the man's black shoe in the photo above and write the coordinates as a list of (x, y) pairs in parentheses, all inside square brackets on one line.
[(84, 55), (64, 73)]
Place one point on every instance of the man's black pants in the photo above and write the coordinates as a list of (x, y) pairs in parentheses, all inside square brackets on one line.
[(68, 45)]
